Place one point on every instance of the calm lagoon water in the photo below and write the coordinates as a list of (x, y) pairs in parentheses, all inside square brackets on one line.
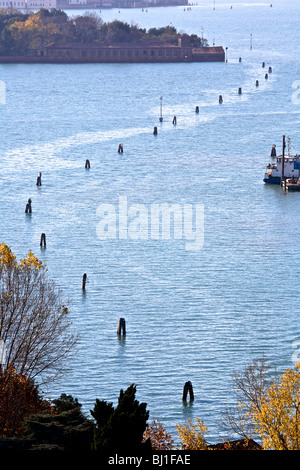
[(190, 315)]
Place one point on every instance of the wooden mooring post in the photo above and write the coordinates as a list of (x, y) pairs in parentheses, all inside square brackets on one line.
[(121, 327), (43, 240), (84, 281), (188, 389), (273, 151), (39, 179), (28, 209)]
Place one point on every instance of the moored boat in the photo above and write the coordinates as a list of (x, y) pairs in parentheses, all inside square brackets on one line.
[(284, 166)]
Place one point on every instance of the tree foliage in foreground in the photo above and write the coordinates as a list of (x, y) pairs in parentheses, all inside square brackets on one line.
[(268, 411), (35, 331), (268, 406), (19, 397), (160, 439), (65, 429), (120, 428), (192, 436)]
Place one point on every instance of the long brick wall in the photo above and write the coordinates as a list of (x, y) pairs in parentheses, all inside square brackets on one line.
[(124, 54)]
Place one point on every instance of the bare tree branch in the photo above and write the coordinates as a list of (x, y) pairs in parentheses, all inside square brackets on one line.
[(34, 322)]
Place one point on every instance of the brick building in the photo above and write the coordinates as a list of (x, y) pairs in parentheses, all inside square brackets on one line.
[(130, 53)]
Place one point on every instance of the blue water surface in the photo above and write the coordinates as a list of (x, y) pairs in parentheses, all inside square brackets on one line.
[(195, 315)]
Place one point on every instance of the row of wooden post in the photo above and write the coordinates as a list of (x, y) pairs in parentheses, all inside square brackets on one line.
[(240, 89), (188, 388), (174, 121), (220, 99), (28, 210)]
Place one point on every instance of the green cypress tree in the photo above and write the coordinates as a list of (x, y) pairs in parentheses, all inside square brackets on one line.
[(122, 428)]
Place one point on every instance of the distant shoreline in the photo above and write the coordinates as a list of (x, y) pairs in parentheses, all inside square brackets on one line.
[(129, 6), (109, 5)]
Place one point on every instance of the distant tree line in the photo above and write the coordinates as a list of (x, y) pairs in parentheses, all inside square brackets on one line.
[(20, 32)]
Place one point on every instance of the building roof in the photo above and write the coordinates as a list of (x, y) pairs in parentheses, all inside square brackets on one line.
[(96, 45)]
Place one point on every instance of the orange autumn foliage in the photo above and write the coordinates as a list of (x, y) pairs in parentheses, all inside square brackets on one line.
[(160, 439), (18, 399)]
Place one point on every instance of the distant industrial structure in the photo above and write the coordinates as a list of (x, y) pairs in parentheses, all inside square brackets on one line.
[(86, 4)]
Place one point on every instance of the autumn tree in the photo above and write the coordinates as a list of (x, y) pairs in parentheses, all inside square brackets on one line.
[(8, 17), (120, 428), (160, 439), (35, 330), (192, 436), (31, 33), (268, 406), (19, 398)]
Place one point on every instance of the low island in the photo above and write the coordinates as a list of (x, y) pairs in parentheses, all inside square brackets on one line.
[(51, 36)]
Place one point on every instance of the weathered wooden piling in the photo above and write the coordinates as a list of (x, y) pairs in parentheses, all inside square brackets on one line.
[(263, 65), (121, 327), (28, 207), (240, 91), (87, 164), (155, 131), (188, 389), (273, 151), (197, 109), (43, 240), (174, 120), (84, 281), (39, 179), (220, 99), (257, 83), (120, 149)]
